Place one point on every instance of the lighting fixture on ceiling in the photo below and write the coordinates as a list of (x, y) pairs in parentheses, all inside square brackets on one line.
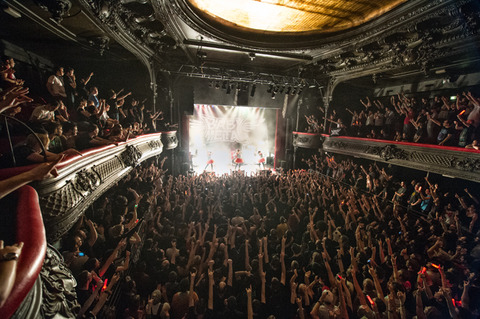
[(201, 55)]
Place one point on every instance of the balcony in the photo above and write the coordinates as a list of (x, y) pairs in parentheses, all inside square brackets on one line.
[(60, 202), (449, 161)]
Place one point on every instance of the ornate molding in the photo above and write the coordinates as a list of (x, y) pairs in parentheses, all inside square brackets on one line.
[(131, 155), (418, 38), (58, 287), (451, 162), (58, 8), (32, 304), (170, 140), (307, 140), (81, 182)]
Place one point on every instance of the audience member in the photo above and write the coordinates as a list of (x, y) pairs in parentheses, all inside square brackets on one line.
[(56, 86)]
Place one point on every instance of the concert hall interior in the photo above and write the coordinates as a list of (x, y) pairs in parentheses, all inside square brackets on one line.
[(267, 159)]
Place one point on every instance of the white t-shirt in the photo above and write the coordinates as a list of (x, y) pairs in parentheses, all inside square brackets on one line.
[(56, 85), (41, 114)]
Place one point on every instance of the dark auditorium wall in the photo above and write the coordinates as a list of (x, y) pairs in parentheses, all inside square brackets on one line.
[(347, 95), (443, 84)]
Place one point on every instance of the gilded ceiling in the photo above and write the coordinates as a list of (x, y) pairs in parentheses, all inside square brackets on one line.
[(319, 16)]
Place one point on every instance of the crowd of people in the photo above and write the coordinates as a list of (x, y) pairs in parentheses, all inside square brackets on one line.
[(447, 121), (72, 116), (337, 240)]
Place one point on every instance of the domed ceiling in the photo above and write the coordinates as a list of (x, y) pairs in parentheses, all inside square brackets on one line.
[(267, 41), (298, 16)]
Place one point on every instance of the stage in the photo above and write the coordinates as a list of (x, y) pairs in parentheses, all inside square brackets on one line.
[(229, 168)]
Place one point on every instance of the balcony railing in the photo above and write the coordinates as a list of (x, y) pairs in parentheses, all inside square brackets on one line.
[(61, 201), (449, 161)]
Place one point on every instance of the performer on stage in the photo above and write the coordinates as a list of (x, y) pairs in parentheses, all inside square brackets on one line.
[(210, 161), (261, 160), (237, 159)]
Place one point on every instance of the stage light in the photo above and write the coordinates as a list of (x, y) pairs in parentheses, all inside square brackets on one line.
[(217, 85), (252, 93), (210, 84), (270, 89), (288, 90), (201, 55), (229, 89), (300, 89), (273, 95), (294, 91), (281, 89)]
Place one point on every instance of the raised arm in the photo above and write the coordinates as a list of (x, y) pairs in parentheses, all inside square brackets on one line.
[(37, 173), (112, 257), (378, 286), (211, 282), (343, 306), (230, 273), (283, 276), (247, 256), (358, 289)]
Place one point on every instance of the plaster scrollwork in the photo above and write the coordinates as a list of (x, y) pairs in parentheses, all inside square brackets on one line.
[(170, 140), (58, 287), (156, 144), (467, 164), (390, 152), (303, 141), (131, 155), (338, 144), (86, 181), (58, 8)]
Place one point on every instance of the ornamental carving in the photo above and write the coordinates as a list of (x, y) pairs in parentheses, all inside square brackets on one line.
[(307, 141), (86, 181), (338, 144), (155, 144), (64, 199), (392, 152), (170, 140), (58, 287), (467, 164), (58, 8), (131, 155), (451, 162)]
